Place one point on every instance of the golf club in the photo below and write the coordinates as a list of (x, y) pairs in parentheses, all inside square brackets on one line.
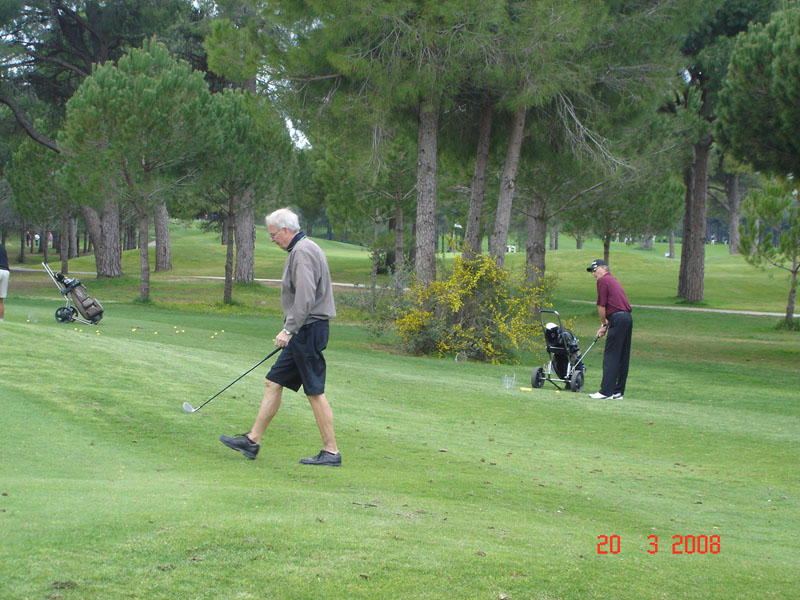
[(188, 407), (587, 351)]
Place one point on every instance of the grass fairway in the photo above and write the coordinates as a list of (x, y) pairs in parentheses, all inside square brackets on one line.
[(452, 486)]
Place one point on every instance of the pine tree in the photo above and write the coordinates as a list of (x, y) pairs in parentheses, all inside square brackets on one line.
[(134, 128), (772, 234), (408, 58), (758, 120), (247, 148), (707, 50)]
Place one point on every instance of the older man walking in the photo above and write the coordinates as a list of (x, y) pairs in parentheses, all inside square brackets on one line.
[(307, 303)]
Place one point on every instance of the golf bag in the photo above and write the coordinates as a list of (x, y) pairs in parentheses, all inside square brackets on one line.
[(562, 345), (566, 361), (74, 292)]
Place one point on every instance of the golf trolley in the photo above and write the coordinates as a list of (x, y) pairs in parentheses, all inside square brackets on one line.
[(566, 361), (73, 290)]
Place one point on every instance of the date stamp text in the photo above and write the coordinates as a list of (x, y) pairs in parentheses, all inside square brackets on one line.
[(681, 544)]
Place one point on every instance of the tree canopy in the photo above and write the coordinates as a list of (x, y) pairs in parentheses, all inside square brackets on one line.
[(49, 46), (245, 155), (140, 122), (771, 236), (555, 107), (758, 117)]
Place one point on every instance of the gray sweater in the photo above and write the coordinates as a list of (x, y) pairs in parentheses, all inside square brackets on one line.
[(306, 291)]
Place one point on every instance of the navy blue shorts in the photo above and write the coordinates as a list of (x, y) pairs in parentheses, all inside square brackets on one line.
[(301, 362)]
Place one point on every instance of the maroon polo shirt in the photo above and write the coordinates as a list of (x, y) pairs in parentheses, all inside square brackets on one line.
[(611, 295)]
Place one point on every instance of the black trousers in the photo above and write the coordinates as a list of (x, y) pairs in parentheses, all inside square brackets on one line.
[(617, 353)]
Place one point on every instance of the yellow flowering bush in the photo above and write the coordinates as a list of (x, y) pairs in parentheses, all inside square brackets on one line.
[(480, 310)]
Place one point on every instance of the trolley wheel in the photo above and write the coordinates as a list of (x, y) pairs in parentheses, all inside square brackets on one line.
[(576, 380), (537, 377), (66, 314)]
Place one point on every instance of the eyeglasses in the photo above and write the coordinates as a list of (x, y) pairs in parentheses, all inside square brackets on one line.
[(272, 235)]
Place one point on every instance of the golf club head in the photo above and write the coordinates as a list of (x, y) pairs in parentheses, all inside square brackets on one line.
[(188, 407)]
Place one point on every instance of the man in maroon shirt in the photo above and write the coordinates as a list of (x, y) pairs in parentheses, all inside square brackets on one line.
[(614, 311)]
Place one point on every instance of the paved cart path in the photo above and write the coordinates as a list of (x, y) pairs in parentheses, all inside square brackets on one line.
[(700, 309)]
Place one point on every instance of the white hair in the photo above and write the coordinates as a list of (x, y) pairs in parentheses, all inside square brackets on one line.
[(283, 217)]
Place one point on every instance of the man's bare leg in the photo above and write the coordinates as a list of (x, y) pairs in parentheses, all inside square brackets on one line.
[(323, 414), (269, 406)]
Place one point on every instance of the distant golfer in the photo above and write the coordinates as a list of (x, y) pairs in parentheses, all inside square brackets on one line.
[(615, 320), (5, 273), (307, 303)]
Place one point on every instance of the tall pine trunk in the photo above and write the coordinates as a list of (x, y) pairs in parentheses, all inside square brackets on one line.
[(692, 269), (73, 237), (229, 224), (144, 253), (23, 243), (427, 190), (129, 237), (103, 231), (373, 274), (554, 238), (244, 232), (163, 246), (734, 205), (64, 241), (472, 234), (792, 292), (399, 245), (44, 244), (535, 247), (502, 220)]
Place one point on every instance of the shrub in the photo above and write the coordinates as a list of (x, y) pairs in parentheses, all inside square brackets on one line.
[(480, 310), (373, 308)]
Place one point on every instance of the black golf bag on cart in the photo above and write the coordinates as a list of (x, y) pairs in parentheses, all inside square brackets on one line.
[(74, 292), (566, 361)]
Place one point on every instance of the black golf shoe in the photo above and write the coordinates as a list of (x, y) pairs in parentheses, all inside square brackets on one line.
[(241, 443), (324, 458)]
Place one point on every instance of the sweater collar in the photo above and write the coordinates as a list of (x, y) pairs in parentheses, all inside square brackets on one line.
[(299, 236)]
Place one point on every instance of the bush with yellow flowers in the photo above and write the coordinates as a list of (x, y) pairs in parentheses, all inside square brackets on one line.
[(479, 310)]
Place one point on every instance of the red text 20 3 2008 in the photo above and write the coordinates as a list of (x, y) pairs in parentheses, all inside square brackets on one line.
[(681, 544)]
